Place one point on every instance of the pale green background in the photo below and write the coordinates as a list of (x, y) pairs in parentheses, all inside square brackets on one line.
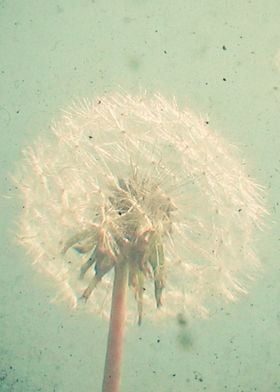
[(53, 51)]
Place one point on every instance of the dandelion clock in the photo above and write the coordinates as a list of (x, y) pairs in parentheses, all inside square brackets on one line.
[(132, 200)]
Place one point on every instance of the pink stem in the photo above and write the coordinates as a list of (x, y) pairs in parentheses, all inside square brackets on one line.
[(112, 370)]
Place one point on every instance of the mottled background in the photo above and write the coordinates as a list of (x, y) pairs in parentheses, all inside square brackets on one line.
[(222, 58)]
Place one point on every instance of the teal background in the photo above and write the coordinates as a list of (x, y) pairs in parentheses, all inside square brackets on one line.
[(54, 51)]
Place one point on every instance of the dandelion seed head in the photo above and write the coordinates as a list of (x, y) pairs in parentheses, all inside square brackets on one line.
[(123, 169)]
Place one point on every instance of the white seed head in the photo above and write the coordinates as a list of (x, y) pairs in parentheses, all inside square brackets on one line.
[(121, 167)]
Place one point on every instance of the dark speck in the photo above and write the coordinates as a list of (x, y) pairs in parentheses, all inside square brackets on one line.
[(181, 319)]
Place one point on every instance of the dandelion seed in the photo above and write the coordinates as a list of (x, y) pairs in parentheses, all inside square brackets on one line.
[(136, 186)]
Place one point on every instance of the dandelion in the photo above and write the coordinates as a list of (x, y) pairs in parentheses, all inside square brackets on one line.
[(130, 191)]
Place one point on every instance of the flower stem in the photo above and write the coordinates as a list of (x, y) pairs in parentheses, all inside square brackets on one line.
[(112, 369)]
